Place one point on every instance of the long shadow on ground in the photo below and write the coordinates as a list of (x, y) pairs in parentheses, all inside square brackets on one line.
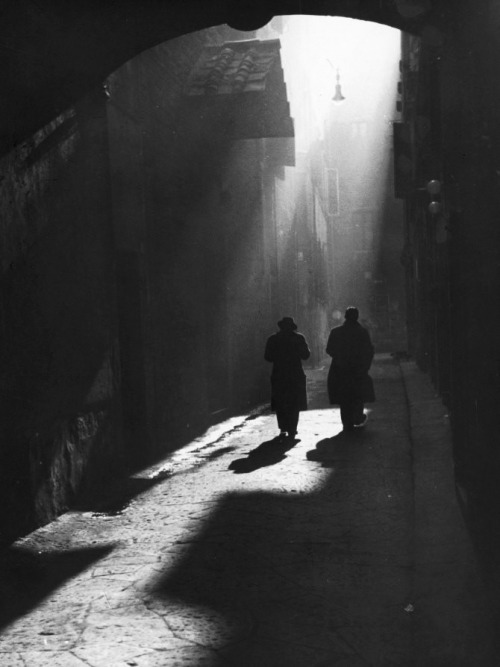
[(299, 579), (266, 454), (27, 578), (320, 577)]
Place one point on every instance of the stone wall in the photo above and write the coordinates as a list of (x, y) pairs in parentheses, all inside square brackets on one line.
[(58, 383), (454, 277), (189, 207)]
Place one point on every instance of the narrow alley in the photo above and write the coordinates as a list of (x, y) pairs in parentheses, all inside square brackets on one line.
[(339, 549)]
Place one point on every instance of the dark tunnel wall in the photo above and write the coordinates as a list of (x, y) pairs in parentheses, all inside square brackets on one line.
[(59, 345), (452, 259)]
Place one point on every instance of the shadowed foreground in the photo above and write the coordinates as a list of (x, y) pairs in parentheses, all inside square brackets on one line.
[(333, 549)]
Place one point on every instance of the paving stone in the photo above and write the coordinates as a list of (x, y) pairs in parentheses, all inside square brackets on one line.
[(341, 550)]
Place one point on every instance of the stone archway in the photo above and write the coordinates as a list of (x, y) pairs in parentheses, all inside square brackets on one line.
[(54, 52)]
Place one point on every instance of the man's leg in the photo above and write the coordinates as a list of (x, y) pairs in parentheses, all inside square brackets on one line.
[(358, 414), (281, 417), (292, 422), (346, 415)]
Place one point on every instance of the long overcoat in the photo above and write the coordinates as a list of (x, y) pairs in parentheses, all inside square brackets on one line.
[(351, 350), (286, 350)]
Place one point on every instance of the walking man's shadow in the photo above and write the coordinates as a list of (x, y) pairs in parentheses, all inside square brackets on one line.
[(343, 446), (266, 454)]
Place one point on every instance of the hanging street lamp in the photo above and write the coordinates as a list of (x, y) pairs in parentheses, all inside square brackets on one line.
[(338, 97)]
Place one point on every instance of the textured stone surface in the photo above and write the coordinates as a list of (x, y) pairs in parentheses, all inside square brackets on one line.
[(337, 550)]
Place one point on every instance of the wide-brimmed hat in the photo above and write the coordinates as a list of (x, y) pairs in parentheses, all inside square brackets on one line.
[(287, 323)]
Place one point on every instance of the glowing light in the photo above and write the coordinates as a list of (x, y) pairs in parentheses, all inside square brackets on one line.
[(345, 148), (365, 53)]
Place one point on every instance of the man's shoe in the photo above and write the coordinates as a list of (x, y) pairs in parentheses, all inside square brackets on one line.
[(362, 422)]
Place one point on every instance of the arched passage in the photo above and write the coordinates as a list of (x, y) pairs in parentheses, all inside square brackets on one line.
[(54, 52), (114, 198), (57, 53)]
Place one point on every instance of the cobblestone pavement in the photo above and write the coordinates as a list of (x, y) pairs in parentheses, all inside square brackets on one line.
[(337, 550)]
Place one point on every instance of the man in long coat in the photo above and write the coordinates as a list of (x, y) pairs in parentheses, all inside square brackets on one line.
[(349, 384), (285, 350)]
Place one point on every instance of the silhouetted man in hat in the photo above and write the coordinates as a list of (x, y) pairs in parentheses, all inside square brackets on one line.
[(285, 350), (349, 384)]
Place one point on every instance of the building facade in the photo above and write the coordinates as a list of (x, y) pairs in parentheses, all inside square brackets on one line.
[(448, 148), (149, 255)]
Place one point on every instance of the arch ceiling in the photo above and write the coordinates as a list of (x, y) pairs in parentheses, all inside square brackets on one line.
[(54, 51)]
